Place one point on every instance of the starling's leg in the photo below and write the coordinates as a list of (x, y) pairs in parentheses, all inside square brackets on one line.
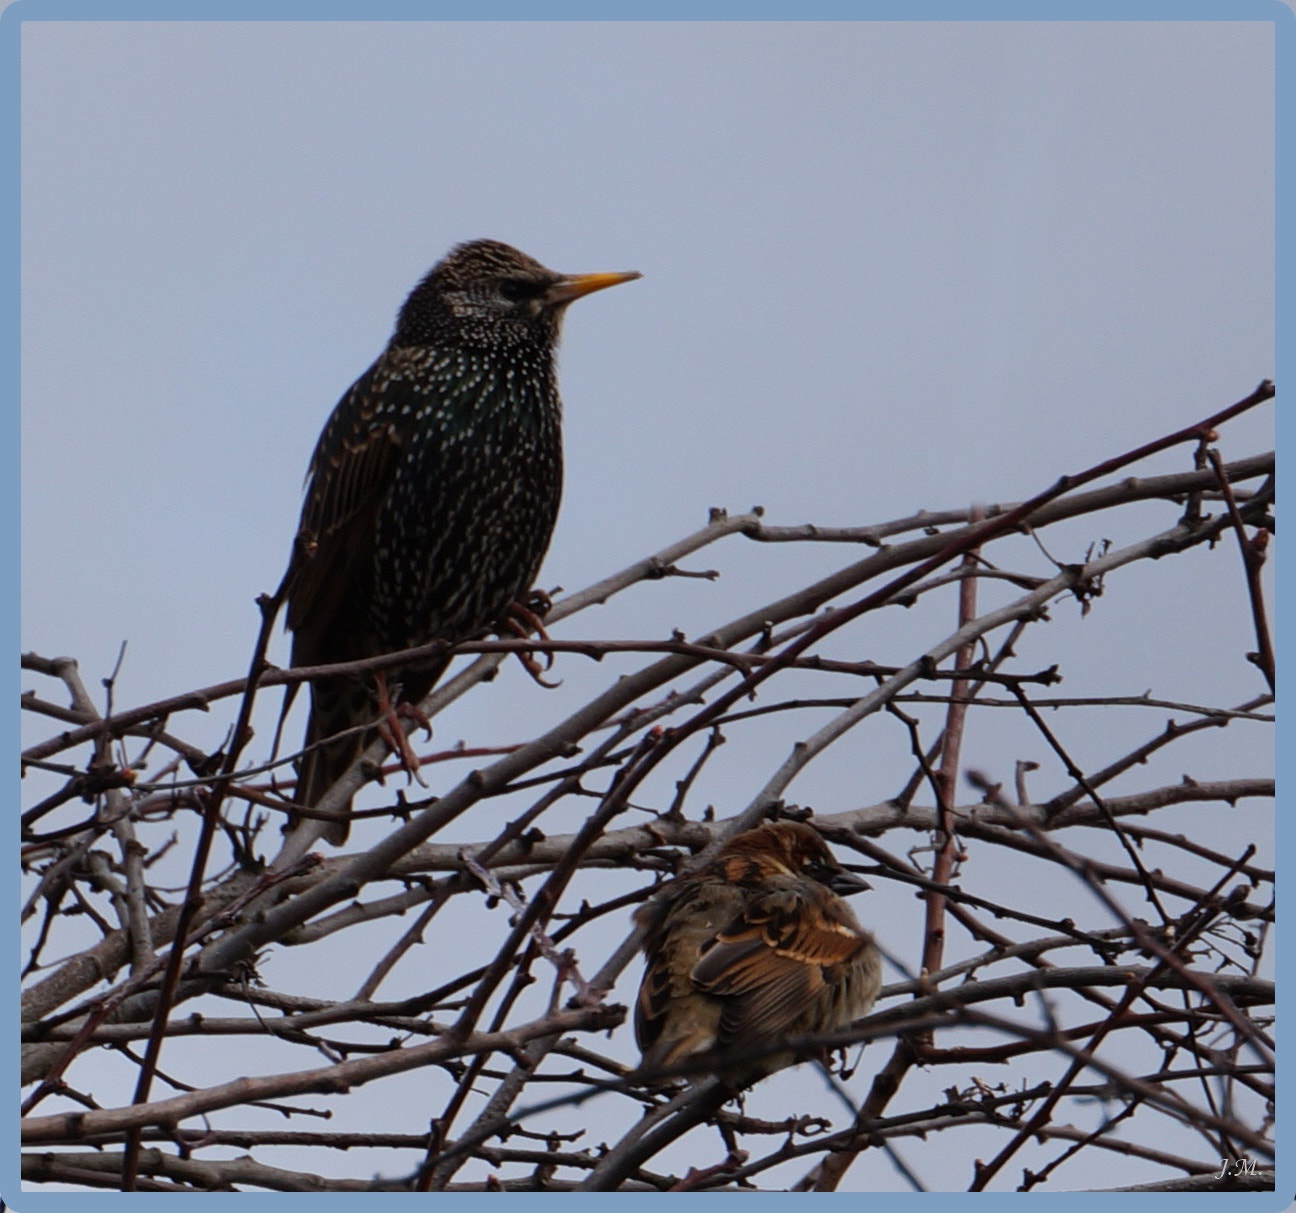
[(389, 727), (522, 620)]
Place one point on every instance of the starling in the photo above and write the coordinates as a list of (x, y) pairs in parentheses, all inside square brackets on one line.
[(432, 493), (754, 949)]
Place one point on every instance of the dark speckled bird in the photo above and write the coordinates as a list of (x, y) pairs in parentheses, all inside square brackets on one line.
[(432, 493), (754, 949)]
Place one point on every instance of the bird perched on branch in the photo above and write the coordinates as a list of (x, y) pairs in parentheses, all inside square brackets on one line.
[(756, 948), (431, 496)]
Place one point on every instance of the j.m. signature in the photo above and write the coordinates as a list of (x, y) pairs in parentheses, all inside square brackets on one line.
[(1236, 1166)]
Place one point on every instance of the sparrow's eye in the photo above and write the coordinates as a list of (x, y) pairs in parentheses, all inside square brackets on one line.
[(515, 290), (816, 869)]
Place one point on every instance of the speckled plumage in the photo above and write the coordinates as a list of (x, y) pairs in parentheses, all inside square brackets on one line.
[(433, 490)]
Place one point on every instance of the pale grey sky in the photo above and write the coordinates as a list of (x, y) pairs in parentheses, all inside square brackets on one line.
[(871, 253)]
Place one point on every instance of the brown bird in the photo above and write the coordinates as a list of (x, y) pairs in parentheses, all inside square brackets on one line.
[(756, 948)]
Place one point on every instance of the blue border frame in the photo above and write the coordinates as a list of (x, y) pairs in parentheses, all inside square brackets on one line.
[(11, 22)]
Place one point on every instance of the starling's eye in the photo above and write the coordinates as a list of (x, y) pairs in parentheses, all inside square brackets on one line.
[(515, 290)]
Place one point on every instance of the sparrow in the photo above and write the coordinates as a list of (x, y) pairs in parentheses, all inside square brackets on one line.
[(756, 948)]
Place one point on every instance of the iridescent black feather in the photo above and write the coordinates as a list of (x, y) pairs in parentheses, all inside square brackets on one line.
[(433, 490)]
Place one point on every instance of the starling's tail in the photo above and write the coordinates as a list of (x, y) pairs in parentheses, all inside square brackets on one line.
[(337, 705), (346, 705)]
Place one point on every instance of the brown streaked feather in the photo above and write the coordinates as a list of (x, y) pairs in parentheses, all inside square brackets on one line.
[(753, 950), (800, 920), (763, 993), (778, 956), (680, 924)]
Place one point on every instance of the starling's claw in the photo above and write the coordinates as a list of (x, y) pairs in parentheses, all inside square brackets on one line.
[(412, 711), (389, 728), (390, 731), (533, 667), (521, 620)]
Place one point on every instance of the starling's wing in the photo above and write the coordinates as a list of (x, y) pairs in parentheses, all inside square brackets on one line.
[(350, 475), (777, 958), (329, 581)]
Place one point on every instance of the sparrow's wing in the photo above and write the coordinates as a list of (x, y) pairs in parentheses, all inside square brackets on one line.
[(779, 956), (350, 474)]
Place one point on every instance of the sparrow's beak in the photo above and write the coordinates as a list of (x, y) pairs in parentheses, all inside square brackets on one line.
[(845, 883), (576, 285)]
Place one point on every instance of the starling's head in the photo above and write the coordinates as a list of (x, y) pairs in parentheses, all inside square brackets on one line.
[(488, 293), (785, 848)]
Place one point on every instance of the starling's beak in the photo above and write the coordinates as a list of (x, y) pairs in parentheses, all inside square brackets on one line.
[(573, 287), (845, 883)]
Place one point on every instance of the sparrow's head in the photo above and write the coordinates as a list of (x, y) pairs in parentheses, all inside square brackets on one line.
[(785, 848)]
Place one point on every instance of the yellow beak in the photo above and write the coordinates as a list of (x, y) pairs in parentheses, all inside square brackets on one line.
[(576, 285)]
